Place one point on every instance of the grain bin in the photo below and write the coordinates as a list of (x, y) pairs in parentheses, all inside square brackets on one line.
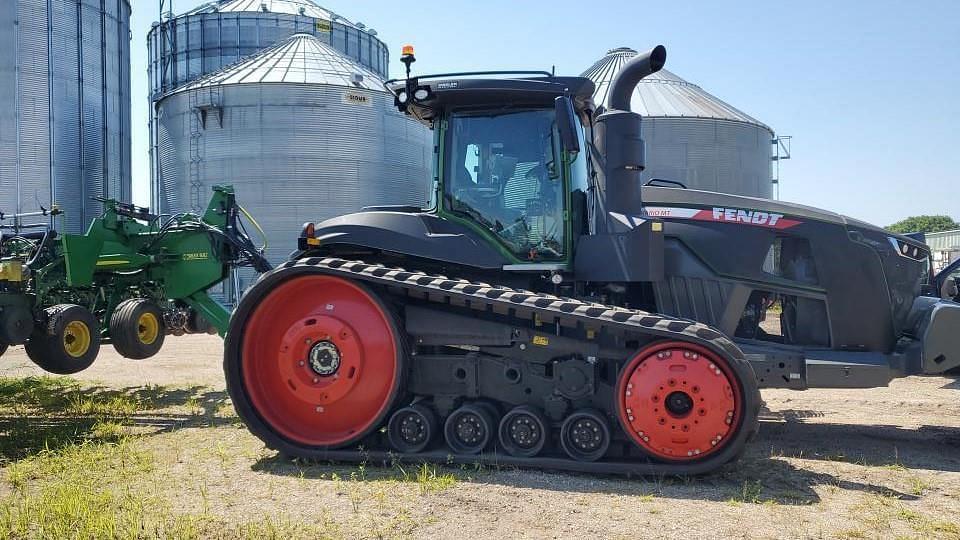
[(64, 106), (303, 132), (217, 34), (692, 136)]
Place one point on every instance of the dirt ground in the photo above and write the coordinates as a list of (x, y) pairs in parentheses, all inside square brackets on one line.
[(879, 463)]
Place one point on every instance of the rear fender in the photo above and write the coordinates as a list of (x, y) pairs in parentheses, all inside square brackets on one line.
[(936, 327)]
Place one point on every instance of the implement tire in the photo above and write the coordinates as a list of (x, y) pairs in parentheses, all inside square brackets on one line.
[(136, 329), (67, 342)]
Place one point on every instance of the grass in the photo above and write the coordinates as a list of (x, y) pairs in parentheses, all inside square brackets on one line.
[(881, 515), (43, 413), (749, 492), (67, 492), (74, 470)]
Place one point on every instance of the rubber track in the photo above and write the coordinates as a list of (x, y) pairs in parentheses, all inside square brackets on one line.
[(571, 313)]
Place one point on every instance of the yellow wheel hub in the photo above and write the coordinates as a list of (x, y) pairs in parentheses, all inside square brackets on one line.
[(76, 339), (148, 328)]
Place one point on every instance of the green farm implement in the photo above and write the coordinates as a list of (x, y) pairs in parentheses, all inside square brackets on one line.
[(130, 280)]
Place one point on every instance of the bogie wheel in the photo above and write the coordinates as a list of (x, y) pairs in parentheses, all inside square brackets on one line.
[(585, 435), (470, 429), (523, 431), (136, 328), (67, 342), (411, 429), (681, 402), (313, 362)]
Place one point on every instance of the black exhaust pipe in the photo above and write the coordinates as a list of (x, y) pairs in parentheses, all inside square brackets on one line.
[(630, 75), (623, 233)]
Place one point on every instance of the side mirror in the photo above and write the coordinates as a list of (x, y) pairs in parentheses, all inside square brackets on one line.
[(950, 289), (567, 124)]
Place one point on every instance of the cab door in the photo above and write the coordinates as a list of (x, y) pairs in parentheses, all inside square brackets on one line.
[(947, 282)]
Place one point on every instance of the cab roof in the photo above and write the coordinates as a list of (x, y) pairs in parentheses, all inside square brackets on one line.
[(486, 89)]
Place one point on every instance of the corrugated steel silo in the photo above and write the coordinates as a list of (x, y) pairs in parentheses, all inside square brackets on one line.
[(692, 136), (302, 131), (64, 106), (220, 33)]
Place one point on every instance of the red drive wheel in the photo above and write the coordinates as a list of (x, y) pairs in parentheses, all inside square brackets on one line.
[(320, 363), (679, 401)]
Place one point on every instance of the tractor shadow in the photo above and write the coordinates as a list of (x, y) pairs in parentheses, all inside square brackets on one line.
[(48, 413), (765, 473)]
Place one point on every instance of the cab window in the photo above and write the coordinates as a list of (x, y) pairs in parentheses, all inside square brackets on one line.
[(504, 174)]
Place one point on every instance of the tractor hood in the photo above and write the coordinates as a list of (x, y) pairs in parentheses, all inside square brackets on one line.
[(665, 202), (413, 234)]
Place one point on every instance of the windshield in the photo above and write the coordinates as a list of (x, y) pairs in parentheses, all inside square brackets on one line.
[(503, 173)]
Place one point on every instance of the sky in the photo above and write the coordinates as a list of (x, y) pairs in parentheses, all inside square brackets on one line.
[(869, 91)]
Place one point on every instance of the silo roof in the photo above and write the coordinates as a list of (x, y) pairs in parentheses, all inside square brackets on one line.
[(289, 7), (302, 59), (663, 94)]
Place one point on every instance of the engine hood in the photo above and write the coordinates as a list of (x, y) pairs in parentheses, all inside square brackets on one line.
[(414, 234)]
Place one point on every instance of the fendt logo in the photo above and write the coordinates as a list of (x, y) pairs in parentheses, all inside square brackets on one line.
[(751, 217), (741, 216)]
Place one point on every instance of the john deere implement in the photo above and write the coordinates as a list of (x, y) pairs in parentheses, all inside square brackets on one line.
[(130, 280)]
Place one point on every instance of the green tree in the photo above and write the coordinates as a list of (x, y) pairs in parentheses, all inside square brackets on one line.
[(924, 224)]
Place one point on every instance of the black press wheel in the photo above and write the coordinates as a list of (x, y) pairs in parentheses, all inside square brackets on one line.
[(411, 429), (585, 435), (469, 429), (67, 342), (137, 329), (523, 431)]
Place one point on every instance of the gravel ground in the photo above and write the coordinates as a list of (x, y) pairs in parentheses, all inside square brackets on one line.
[(878, 463)]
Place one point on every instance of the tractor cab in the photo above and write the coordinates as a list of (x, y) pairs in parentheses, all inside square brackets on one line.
[(510, 164)]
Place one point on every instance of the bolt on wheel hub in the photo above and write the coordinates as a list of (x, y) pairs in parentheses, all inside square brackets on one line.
[(679, 404), (412, 429), (470, 429), (679, 401), (524, 432), (324, 358), (586, 435)]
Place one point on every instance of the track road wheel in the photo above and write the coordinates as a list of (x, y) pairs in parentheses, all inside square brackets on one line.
[(68, 342), (313, 362), (680, 402), (411, 429), (523, 431), (470, 429), (585, 435), (136, 328)]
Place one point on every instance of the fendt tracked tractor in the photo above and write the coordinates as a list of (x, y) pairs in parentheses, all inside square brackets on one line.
[(549, 311), (132, 278)]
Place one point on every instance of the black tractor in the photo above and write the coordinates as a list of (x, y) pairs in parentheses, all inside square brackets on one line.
[(548, 310)]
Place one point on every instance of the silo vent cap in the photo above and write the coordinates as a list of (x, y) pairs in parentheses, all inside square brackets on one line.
[(622, 50)]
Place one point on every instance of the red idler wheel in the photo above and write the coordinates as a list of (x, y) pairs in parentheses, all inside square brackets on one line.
[(679, 401), (319, 360)]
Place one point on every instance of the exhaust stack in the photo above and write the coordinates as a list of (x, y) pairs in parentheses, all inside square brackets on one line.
[(621, 230), (617, 139), (631, 73)]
